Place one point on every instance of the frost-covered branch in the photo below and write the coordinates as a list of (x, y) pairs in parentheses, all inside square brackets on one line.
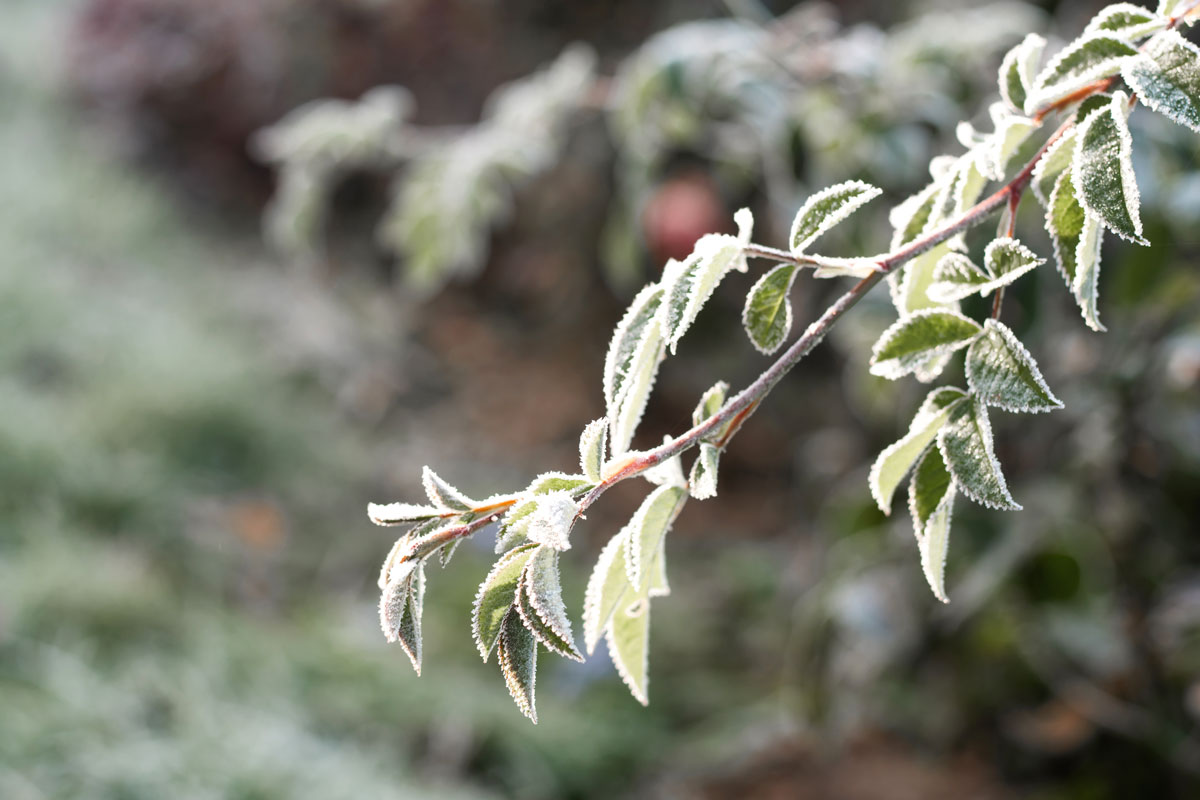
[(1081, 174)]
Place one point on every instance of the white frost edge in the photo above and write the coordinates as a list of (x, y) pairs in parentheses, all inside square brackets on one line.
[(979, 412), (1044, 94), (1132, 77), (865, 193), (1119, 109), (1020, 353)]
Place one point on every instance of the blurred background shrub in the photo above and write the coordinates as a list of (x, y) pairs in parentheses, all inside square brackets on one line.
[(191, 421)]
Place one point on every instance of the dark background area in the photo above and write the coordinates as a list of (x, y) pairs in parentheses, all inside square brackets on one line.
[(191, 425)]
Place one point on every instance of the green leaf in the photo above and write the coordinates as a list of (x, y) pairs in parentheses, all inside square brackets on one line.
[(549, 482), (1006, 259), (767, 316), (710, 402), (895, 461), (448, 551), (1052, 164), (1002, 373), (517, 653), (1018, 69), (930, 482), (627, 342), (1102, 170), (930, 500), (540, 603), (442, 494), (593, 444), (647, 527), (690, 283), (496, 595), (1064, 223), (827, 208), (703, 480), (1127, 21), (1088, 59), (606, 587), (918, 338), (912, 217), (628, 639), (400, 613), (966, 444), (1087, 276), (1168, 79)]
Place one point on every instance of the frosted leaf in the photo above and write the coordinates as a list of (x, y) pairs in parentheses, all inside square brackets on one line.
[(442, 494), (845, 268), (1168, 79), (928, 486), (918, 338), (512, 529), (1006, 259), (1052, 163), (606, 587), (549, 482), (540, 603), (968, 185), (658, 572), (1088, 59), (495, 597), (626, 341), (400, 513), (896, 459), (827, 208), (552, 518), (1064, 224), (955, 277), (400, 613), (966, 445), (690, 283), (628, 637), (517, 654), (1010, 134), (1127, 21), (1102, 170), (649, 524), (1087, 274), (912, 217), (767, 315), (910, 288), (930, 501), (635, 391), (1018, 69), (447, 552), (593, 443), (1172, 8), (710, 402), (1002, 373), (703, 481)]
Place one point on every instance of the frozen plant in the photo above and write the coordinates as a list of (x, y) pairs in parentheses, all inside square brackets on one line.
[(1081, 174)]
